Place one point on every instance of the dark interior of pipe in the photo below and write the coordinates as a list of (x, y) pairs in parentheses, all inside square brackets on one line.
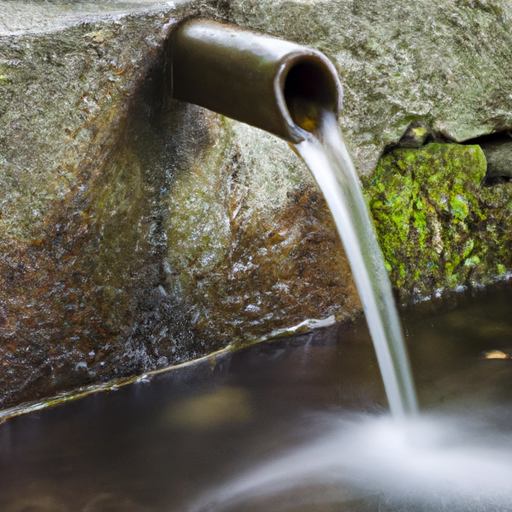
[(308, 90)]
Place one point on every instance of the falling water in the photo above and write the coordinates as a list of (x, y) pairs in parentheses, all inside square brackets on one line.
[(432, 462), (328, 160)]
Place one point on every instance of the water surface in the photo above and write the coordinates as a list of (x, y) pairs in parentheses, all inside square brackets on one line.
[(297, 424)]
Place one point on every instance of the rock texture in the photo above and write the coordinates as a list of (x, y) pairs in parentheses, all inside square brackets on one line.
[(82, 176), (252, 246), (438, 225), (498, 153), (137, 232), (444, 63)]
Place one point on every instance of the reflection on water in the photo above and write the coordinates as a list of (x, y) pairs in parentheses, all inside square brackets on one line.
[(297, 424)]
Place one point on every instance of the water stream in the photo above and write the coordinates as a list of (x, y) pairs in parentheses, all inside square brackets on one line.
[(328, 160)]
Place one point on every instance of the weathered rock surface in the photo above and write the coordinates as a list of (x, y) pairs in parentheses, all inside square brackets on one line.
[(81, 180), (138, 232), (252, 246)]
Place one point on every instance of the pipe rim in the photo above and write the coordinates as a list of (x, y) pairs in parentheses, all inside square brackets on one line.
[(326, 67)]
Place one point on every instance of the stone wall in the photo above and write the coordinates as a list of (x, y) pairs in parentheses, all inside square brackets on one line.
[(137, 232)]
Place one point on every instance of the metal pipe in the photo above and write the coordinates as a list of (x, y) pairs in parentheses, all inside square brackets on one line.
[(275, 85)]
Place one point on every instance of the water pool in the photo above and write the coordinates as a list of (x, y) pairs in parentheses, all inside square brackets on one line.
[(298, 423)]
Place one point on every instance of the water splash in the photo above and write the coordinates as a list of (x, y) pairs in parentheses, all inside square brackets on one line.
[(372, 463), (328, 160)]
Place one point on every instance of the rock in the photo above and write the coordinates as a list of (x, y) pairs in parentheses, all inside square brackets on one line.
[(82, 176), (442, 63), (438, 226), (412, 73), (416, 135), (252, 245), (498, 153), (137, 232)]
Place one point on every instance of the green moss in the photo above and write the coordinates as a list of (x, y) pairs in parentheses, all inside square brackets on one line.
[(420, 131), (438, 226)]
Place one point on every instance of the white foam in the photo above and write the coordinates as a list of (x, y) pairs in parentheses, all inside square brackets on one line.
[(428, 462)]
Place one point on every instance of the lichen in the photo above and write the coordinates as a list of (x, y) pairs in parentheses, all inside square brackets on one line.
[(438, 226)]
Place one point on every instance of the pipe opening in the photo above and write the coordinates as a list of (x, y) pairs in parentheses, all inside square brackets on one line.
[(309, 90), (275, 85)]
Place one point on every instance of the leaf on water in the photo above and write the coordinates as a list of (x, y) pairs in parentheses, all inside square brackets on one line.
[(496, 354)]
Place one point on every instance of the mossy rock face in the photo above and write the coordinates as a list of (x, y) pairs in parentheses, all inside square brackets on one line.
[(137, 232), (401, 66), (438, 224)]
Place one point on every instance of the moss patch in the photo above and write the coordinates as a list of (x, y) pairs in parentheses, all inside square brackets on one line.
[(437, 225)]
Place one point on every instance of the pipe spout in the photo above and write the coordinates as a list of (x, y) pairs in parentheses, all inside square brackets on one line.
[(275, 85)]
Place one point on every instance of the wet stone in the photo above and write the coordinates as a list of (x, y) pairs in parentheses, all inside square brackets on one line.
[(136, 231), (82, 173)]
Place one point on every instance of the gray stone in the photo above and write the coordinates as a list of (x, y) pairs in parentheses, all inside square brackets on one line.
[(416, 135), (443, 63), (137, 232), (498, 153)]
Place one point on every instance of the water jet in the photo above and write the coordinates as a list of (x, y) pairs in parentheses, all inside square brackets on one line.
[(294, 92)]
